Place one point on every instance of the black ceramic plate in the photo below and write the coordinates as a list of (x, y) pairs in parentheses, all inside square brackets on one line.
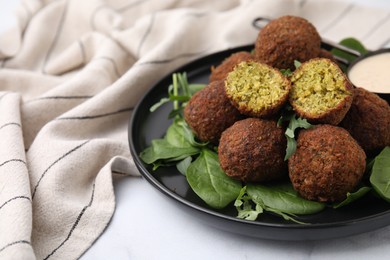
[(367, 214)]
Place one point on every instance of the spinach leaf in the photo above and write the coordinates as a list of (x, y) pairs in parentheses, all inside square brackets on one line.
[(188, 135), (183, 165), (283, 198), (351, 197), (209, 182), (176, 136), (380, 174), (162, 149)]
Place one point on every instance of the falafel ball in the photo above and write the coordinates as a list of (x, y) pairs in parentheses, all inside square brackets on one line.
[(257, 89), (252, 150), (209, 112), (220, 72), (320, 92), (368, 121), (286, 39), (327, 164)]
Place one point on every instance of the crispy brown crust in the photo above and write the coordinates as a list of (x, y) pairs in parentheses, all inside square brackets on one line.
[(253, 150), (286, 39), (333, 115), (368, 121), (209, 112), (220, 72), (327, 164)]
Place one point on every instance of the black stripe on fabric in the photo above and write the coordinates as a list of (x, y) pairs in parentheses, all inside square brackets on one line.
[(130, 6), (14, 198), (14, 243), (183, 55), (96, 116), (376, 26), (75, 224), (147, 32), (112, 62), (8, 124), (119, 173), (56, 36), (12, 160), (54, 163), (59, 98), (338, 18)]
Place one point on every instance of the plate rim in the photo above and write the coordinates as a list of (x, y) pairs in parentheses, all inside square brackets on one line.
[(210, 212)]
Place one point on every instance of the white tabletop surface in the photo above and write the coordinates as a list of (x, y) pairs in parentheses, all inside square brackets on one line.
[(149, 225)]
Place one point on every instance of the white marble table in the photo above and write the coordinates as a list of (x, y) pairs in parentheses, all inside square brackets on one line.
[(149, 225)]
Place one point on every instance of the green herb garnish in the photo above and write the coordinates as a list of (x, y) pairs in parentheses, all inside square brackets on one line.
[(293, 123), (280, 199)]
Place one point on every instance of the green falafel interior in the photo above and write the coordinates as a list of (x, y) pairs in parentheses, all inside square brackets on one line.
[(256, 87), (317, 86)]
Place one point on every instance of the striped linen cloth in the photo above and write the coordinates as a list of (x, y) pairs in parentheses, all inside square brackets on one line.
[(71, 73)]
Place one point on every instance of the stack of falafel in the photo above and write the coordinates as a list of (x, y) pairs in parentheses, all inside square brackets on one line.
[(239, 109)]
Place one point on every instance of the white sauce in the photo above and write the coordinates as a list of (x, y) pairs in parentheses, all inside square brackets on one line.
[(372, 73)]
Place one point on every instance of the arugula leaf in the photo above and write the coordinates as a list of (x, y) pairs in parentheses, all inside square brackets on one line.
[(286, 72), (297, 64), (244, 207), (380, 174), (179, 92), (294, 123), (210, 182)]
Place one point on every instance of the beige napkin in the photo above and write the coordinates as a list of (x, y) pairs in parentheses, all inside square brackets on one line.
[(71, 73)]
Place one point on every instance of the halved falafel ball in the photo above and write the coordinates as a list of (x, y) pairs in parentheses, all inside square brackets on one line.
[(252, 150), (209, 112), (257, 89), (368, 121), (286, 39), (221, 71), (320, 92), (327, 164)]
